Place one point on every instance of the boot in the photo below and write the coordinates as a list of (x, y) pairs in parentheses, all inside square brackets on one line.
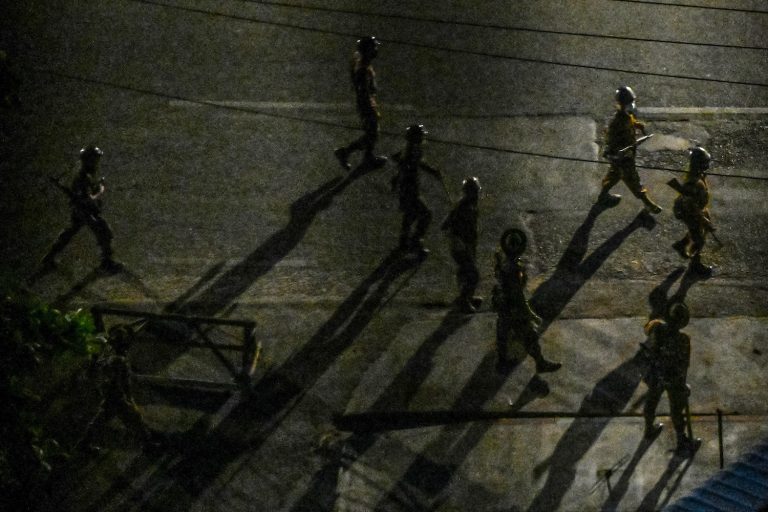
[(342, 155), (546, 366), (652, 430), (111, 266), (607, 199), (700, 268), (687, 446), (650, 205), (681, 246)]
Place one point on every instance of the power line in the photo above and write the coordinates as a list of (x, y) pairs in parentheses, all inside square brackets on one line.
[(501, 27), (213, 104), (454, 50), (694, 6)]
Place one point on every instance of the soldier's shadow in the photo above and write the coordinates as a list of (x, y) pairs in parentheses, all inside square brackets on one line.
[(574, 269), (235, 281)]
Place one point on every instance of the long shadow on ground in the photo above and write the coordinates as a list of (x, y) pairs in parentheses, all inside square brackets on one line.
[(430, 479), (252, 421)]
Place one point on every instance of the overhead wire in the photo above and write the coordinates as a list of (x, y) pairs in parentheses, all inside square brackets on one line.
[(511, 28), (695, 6), (235, 108), (455, 50)]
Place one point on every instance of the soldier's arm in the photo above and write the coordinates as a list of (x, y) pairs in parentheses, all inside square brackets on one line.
[(431, 170)]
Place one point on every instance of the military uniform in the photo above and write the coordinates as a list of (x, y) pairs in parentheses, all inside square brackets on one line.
[(622, 134), (364, 84), (85, 205), (117, 396), (691, 207), (670, 352), (413, 208), (461, 225), (515, 314)]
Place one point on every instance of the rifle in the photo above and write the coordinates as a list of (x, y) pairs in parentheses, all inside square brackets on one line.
[(620, 153)]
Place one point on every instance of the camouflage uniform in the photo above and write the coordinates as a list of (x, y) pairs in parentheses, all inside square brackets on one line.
[(691, 207), (85, 211), (671, 353), (461, 225), (364, 83), (515, 313)]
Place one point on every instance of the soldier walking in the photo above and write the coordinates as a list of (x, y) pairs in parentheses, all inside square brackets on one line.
[(691, 207), (670, 352), (461, 225), (514, 310), (406, 182), (364, 83), (117, 396), (621, 147), (85, 203)]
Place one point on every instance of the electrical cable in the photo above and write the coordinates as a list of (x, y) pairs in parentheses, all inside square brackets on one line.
[(501, 27), (694, 6), (455, 50), (497, 149)]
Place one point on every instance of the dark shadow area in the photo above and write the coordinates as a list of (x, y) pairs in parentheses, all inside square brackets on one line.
[(651, 500), (79, 288), (609, 396), (232, 283), (617, 491), (179, 302), (573, 269), (397, 395), (254, 419)]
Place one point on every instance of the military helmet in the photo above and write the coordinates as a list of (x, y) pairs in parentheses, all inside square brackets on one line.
[(678, 315), (513, 241), (90, 152), (699, 158), (415, 133), (471, 185), (368, 45), (625, 95)]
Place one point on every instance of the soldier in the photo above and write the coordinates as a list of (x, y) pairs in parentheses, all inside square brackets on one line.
[(461, 225), (621, 146), (691, 207), (364, 83), (117, 397), (407, 184), (670, 352), (514, 311), (85, 203)]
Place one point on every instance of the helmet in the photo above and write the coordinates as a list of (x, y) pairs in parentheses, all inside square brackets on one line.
[(625, 95), (699, 159), (90, 153), (415, 133), (513, 241), (368, 46), (678, 315), (471, 186)]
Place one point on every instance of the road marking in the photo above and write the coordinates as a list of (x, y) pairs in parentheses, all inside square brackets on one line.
[(676, 111), (283, 105)]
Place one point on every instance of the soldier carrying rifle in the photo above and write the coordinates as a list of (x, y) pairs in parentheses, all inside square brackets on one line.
[(85, 204), (691, 208)]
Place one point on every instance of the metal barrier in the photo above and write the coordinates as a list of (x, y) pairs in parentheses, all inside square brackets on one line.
[(241, 377)]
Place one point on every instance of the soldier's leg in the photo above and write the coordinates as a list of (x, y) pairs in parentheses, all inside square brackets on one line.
[(63, 239), (697, 235), (678, 402), (130, 415), (409, 217), (104, 235), (503, 331), (652, 398), (371, 127), (105, 413), (424, 218), (531, 339), (681, 246), (467, 277), (611, 178), (632, 180)]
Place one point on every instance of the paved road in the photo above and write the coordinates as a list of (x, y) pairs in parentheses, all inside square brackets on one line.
[(229, 213)]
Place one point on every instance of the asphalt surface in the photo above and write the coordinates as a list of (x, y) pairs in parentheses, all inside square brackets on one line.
[(226, 201)]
